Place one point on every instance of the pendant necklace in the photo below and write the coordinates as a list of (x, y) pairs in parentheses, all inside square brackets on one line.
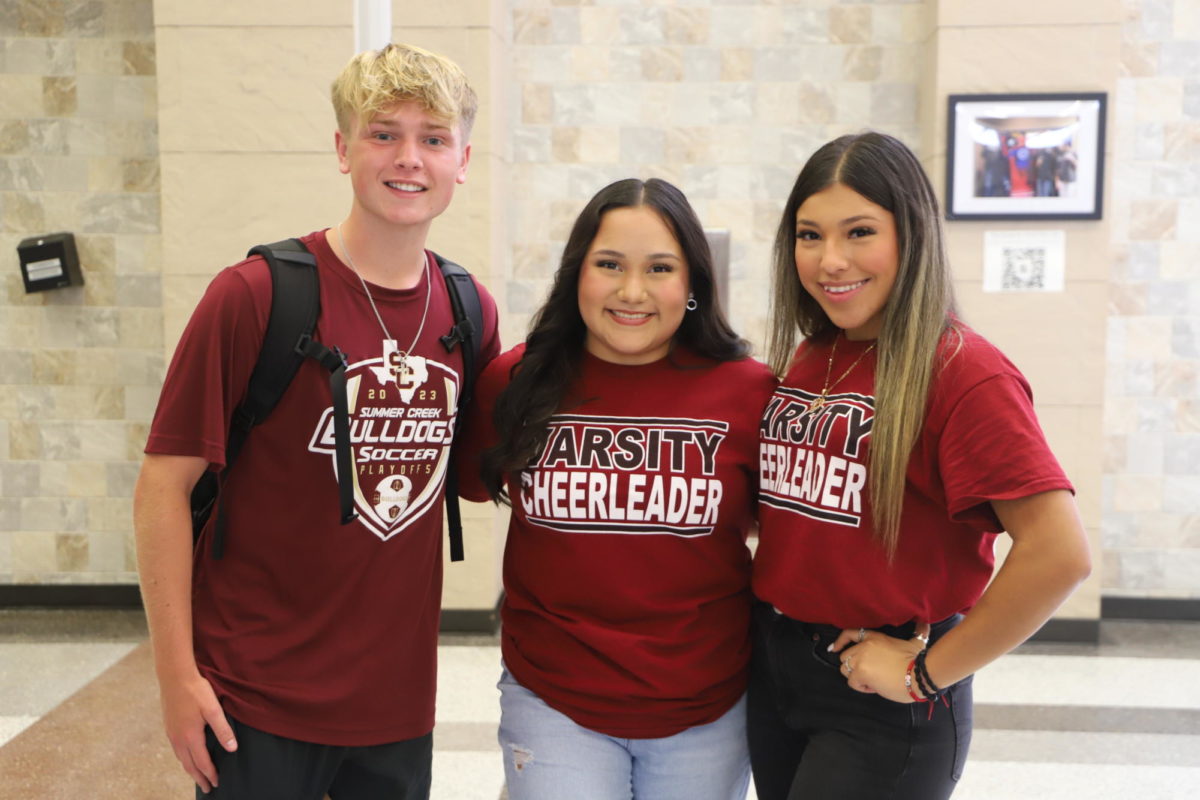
[(819, 401), (389, 341)]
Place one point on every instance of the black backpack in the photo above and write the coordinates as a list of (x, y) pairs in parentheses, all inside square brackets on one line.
[(295, 306)]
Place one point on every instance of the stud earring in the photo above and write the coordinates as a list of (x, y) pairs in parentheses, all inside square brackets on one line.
[(691, 304)]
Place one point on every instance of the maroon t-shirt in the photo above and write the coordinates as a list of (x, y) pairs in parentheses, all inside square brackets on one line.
[(817, 559), (626, 572), (307, 628)]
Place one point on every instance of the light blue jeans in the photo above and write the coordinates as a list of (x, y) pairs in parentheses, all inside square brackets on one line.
[(547, 756)]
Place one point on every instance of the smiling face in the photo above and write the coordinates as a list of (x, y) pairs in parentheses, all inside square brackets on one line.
[(403, 165), (847, 256), (633, 287)]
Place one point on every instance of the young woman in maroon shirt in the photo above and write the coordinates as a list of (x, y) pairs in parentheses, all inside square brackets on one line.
[(899, 444), (624, 433)]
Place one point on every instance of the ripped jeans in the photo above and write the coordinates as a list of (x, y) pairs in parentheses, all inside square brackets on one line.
[(547, 756)]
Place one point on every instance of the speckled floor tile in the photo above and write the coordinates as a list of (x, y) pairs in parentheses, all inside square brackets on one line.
[(34, 678), (1021, 780), (1116, 719), (1119, 681)]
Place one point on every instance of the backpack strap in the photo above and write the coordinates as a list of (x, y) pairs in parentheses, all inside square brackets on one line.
[(468, 322), (468, 327), (295, 305), (287, 342)]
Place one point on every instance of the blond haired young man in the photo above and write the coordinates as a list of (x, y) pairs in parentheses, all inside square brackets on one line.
[(302, 662)]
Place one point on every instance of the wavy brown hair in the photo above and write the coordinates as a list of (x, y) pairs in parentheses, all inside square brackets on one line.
[(920, 309), (555, 344)]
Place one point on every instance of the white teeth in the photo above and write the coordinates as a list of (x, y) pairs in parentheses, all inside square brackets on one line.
[(629, 314), (407, 187), (843, 289)]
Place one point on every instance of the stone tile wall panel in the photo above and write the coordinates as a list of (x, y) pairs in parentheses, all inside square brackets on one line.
[(78, 152), (725, 99), (1153, 353)]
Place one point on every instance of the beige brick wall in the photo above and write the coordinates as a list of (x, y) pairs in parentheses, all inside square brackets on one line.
[(1055, 338), (80, 366), (726, 100), (101, 103), (1151, 530)]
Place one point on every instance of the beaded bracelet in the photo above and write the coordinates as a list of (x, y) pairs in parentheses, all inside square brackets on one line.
[(926, 685), (908, 684)]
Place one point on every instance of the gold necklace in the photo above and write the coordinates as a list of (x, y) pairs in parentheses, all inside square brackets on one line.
[(819, 401)]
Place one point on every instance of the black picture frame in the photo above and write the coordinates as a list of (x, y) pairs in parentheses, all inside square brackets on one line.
[(1025, 156)]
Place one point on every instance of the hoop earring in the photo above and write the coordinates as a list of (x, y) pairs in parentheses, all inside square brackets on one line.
[(691, 304)]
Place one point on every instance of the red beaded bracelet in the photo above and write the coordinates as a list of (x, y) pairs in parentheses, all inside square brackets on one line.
[(908, 681)]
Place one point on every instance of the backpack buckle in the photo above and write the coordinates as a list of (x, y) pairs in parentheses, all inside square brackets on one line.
[(302, 344), (460, 332), (242, 418)]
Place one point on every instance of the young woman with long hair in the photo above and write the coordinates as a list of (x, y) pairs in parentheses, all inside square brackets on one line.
[(624, 434), (898, 445)]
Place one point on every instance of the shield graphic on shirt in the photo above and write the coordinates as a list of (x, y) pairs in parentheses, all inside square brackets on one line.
[(401, 427)]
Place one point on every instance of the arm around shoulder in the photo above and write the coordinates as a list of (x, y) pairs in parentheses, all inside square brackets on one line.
[(490, 343), (478, 433)]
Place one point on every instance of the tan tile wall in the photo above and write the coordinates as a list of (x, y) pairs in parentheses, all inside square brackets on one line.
[(725, 100), (1056, 339), (79, 366), (1151, 530), (228, 110), (728, 99)]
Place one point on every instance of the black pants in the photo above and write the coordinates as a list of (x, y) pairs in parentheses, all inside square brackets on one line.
[(812, 737), (269, 767)]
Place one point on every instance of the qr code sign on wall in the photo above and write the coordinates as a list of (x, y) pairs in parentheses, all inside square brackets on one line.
[(1024, 268), (1023, 261)]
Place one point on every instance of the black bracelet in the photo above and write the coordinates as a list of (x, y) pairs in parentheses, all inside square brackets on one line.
[(926, 684), (928, 687)]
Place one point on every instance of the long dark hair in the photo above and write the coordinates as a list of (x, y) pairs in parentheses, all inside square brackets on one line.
[(918, 313), (555, 344)]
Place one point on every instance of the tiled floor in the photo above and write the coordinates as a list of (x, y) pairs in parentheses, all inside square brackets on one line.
[(78, 715)]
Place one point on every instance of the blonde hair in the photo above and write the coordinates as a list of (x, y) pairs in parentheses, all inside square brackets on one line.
[(919, 312), (376, 80)]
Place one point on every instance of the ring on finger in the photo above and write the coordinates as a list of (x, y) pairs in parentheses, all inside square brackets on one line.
[(862, 634), (849, 667)]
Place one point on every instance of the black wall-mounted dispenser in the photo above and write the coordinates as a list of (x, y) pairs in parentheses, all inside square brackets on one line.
[(49, 262)]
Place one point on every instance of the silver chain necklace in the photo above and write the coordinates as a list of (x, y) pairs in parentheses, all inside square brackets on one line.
[(404, 354)]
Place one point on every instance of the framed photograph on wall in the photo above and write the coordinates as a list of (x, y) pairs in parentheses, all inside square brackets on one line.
[(1025, 156)]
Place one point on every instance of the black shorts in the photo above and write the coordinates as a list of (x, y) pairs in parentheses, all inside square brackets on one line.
[(270, 767)]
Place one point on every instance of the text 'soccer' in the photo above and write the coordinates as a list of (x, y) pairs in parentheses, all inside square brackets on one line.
[(402, 416)]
